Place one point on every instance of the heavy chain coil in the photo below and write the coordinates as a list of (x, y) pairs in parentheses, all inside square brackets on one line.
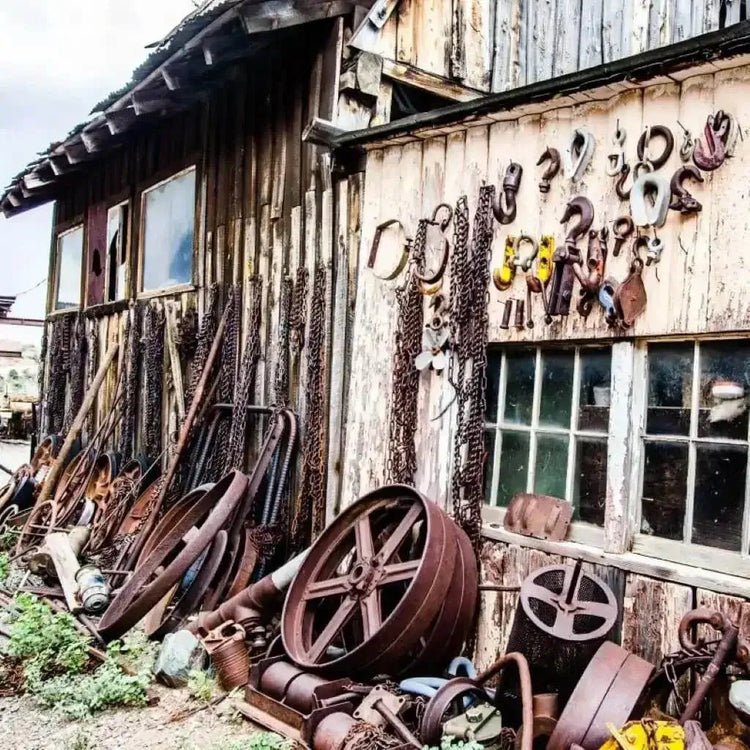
[(132, 365), (402, 453), (298, 315), (243, 392), (470, 274), (308, 517), (203, 344), (153, 335), (281, 376), (92, 365), (58, 374), (363, 736)]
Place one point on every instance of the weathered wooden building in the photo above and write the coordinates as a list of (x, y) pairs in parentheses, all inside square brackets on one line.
[(203, 171)]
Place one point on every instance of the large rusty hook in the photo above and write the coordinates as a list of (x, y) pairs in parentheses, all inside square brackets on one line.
[(683, 201), (581, 206), (622, 194), (709, 153), (505, 214), (552, 155)]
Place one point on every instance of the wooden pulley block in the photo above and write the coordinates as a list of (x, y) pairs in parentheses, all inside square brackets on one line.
[(538, 516), (607, 693)]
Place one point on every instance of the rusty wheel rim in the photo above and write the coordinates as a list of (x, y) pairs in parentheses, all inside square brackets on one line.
[(344, 578), (45, 453), (41, 517), (95, 489), (72, 484), (139, 510)]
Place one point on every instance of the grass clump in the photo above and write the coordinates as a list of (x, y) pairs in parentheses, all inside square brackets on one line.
[(258, 741), (201, 685), (4, 567)]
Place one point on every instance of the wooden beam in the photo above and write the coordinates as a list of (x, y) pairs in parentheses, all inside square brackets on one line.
[(95, 140), (59, 164), (283, 14), (171, 79), (149, 105), (429, 82), (365, 36), (321, 132), (34, 181), (14, 200), (120, 120), (210, 52), (76, 152)]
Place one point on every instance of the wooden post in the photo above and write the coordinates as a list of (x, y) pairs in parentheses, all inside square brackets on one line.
[(77, 426)]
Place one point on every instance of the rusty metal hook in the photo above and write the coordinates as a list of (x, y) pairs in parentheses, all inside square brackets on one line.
[(551, 155), (688, 144), (584, 209), (709, 153), (505, 214), (623, 194), (617, 158), (683, 201), (447, 220)]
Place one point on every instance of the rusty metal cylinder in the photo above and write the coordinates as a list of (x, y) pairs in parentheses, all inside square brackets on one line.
[(231, 660), (332, 731), (520, 314), (505, 322)]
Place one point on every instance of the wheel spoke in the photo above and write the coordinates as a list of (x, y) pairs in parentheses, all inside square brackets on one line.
[(564, 624), (397, 537), (324, 640), (535, 591), (329, 587), (365, 545), (403, 571), (370, 609), (595, 609)]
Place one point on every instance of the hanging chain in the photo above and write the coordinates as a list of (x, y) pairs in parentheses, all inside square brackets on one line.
[(132, 363), (153, 335), (204, 339), (308, 517), (244, 390), (402, 453), (91, 367), (58, 373), (42, 413), (77, 371), (470, 274), (298, 315), (281, 376)]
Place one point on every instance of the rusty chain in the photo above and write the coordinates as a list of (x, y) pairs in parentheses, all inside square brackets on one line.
[(76, 370), (205, 336), (281, 375), (57, 379), (364, 736), (92, 364), (470, 273), (153, 345), (298, 314), (402, 453), (42, 415), (132, 363), (244, 390), (308, 517)]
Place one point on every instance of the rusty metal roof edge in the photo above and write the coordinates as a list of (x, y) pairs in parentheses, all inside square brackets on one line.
[(713, 45)]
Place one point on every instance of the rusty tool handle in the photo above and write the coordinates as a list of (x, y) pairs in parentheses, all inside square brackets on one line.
[(185, 431), (505, 322)]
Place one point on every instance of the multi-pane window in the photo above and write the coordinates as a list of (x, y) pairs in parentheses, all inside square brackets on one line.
[(547, 426), (69, 262), (695, 444), (167, 233)]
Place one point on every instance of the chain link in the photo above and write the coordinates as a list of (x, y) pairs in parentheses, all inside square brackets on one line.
[(308, 517), (281, 376), (363, 736), (76, 371), (298, 315), (153, 335), (132, 364), (204, 339), (470, 275), (244, 390), (401, 463), (58, 374)]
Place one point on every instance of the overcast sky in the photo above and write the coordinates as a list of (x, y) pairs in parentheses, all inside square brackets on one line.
[(58, 58)]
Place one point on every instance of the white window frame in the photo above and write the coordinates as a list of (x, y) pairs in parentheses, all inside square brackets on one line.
[(186, 286), (58, 268), (494, 515), (679, 551), (126, 226)]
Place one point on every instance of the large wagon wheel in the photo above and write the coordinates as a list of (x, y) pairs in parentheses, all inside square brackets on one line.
[(38, 523), (94, 491), (44, 455), (352, 608), (72, 484)]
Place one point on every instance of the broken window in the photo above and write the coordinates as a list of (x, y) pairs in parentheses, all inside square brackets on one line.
[(68, 272), (168, 228), (696, 442), (547, 426), (117, 251)]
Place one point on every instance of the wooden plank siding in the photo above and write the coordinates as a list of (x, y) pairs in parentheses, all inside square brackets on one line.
[(264, 206), (500, 44)]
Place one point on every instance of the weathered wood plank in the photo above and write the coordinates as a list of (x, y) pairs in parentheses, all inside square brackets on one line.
[(476, 27), (590, 50), (567, 36), (505, 60)]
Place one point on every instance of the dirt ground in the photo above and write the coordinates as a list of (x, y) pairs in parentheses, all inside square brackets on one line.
[(23, 726)]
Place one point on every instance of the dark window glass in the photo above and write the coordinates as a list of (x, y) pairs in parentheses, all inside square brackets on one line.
[(664, 489), (557, 389), (489, 453), (519, 389), (670, 384), (551, 465), (590, 490), (725, 374), (594, 395), (514, 465), (494, 359)]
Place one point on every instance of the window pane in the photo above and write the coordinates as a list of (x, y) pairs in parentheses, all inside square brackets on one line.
[(551, 465), (590, 490), (670, 382), (489, 458), (70, 252), (557, 389), (494, 358), (169, 219), (719, 496), (725, 367), (519, 389), (596, 377), (116, 252), (664, 489), (514, 462)]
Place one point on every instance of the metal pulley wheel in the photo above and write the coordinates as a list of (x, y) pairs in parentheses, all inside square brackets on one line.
[(72, 484), (449, 698), (44, 455), (175, 552), (95, 490), (568, 603), (140, 510), (607, 692), (372, 593)]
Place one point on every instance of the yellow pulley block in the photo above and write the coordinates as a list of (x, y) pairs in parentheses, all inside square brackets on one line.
[(544, 258), (503, 277), (646, 734)]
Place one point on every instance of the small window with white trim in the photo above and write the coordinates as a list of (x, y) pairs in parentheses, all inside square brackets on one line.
[(547, 426), (694, 487), (167, 232), (117, 251), (69, 263)]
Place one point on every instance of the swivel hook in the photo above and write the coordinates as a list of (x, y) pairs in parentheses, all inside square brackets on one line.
[(709, 153), (505, 214), (617, 158), (582, 207)]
